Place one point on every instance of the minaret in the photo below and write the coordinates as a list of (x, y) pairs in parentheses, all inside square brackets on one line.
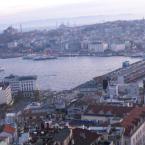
[(21, 30)]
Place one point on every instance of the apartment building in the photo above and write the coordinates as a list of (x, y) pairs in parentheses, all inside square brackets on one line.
[(23, 84), (5, 93)]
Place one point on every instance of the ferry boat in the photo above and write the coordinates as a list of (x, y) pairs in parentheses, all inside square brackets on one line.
[(43, 57)]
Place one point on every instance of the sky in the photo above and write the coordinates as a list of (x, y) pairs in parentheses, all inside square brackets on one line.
[(23, 10), (14, 6), (8, 7)]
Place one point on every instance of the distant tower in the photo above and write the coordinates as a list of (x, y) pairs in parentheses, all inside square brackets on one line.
[(21, 30)]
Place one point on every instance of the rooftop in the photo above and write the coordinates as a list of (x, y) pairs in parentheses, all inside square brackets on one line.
[(62, 135), (23, 78), (9, 129), (103, 109), (133, 119), (84, 137)]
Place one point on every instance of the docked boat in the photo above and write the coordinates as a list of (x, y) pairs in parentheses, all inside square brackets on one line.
[(43, 57)]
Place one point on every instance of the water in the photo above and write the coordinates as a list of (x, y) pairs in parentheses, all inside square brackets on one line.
[(63, 73)]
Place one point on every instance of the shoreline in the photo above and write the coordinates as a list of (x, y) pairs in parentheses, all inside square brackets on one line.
[(9, 57)]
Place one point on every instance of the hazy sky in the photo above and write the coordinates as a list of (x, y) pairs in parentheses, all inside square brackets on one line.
[(14, 10), (14, 6)]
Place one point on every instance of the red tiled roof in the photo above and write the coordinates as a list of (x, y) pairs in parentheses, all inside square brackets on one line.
[(132, 119), (84, 137), (104, 109), (9, 129)]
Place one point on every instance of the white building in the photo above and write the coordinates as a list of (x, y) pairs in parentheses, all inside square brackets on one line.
[(97, 47), (10, 118), (117, 47), (5, 94), (28, 85), (24, 84), (113, 91)]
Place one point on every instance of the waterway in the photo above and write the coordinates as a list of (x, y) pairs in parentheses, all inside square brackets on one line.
[(63, 73)]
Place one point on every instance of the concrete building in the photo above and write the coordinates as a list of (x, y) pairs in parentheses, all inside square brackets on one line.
[(97, 47), (13, 80), (101, 113), (113, 91), (118, 47), (63, 137), (134, 125), (5, 93), (28, 85), (23, 84)]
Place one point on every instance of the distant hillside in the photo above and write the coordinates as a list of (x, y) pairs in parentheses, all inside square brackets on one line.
[(72, 21)]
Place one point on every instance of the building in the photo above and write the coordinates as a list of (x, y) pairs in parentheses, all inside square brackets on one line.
[(11, 31), (23, 84), (97, 47), (134, 125), (12, 44), (13, 80), (84, 137), (127, 92), (113, 91), (118, 47), (34, 113), (5, 93), (76, 108), (108, 114), (10, 133), (10, 118), (28, 85), (4, 141), (63, 137)]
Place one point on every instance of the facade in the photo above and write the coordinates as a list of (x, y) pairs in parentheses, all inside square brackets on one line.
[(84, 137), (24, 84), (118, 47), (12, 44), (28, 85), (134, 125), (5, 94), (97, 47), (14, 83), (63, 137), (101, 113)]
